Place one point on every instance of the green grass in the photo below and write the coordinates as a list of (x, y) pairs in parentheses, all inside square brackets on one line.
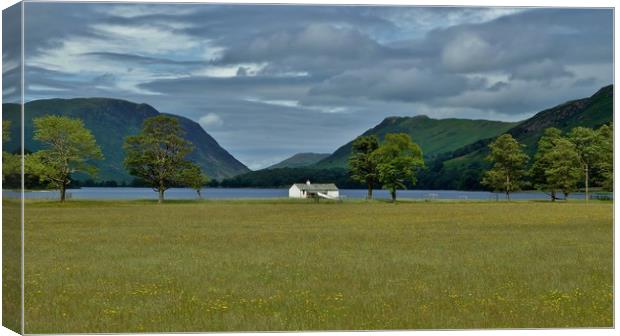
[(11, 265), (272, 265)]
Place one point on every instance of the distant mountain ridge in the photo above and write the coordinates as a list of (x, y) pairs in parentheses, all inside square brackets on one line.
[(593, 112), (454, 149), (463, 168), (454, 160), (300, 160), (111, 120), (435, 136)]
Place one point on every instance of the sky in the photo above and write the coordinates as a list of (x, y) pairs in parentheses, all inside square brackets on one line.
[(269, 81)]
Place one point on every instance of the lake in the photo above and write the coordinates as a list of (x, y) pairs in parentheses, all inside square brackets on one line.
[(253, 193)]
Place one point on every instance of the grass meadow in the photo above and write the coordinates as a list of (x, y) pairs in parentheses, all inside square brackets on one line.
[(284, 265)]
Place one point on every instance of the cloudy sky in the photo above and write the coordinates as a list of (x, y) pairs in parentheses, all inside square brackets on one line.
[(270, 81)]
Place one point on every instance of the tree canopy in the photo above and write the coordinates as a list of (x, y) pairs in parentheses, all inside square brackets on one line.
[(605, 164), (11, 163), (68, 148), (509, 164), (398, 160), (361, 164), (589, 149), (556, 164), (194, 178), (157, 154)]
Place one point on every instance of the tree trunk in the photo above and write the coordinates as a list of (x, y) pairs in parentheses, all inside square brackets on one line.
[(587, 177), (508, 187), (553, 197), (161, 195), (198, 192), (566, 196), (393, 194), (63, 191), (369, 190)]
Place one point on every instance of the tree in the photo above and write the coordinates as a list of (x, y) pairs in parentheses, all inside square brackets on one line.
[(11, 163), (194, 178), (605, 164), (6, 131), (556, 164), (361, 165), (398, 160), (509, 163), (588, 146), (563, 170), (68, 148), (157, 154), (541, 161)]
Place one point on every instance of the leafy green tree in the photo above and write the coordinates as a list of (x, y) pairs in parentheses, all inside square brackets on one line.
[(361, 165), (6, 131), (588, 145), (398, 160), (509, 162), (194, 178), (563, 171), (542, 162), (157, 154), (605, 164), (68, 148), (11, 163), (556, 164)]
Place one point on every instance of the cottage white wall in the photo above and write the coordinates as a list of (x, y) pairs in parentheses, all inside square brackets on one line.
[(294, 192), (333, 193)]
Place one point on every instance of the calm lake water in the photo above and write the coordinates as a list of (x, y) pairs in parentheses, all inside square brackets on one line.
[(249, 193)]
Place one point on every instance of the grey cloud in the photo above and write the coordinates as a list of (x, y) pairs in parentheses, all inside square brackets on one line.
[(230, 86), (319, 48), (48, 24), (520, 96), (138, 59), (242, 71), (314, 40), (370, 61), (542, 70), (409, 84), (563, 35), (497, 86), (11, 54)]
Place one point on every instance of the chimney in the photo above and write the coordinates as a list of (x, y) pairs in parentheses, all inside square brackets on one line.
[(308, 182)]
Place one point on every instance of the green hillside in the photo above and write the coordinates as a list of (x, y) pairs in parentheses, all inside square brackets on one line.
[(454, 149), (435, 136), (300, 160), (587, 112), (111, 120), (464, 167)]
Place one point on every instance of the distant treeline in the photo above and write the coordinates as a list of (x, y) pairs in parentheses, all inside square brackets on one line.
[(433, 177), (285, 177), (33, 182)]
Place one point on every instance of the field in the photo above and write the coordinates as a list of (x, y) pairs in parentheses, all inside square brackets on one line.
[(278, 265)]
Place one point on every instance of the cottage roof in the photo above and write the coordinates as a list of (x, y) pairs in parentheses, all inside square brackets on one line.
[(316, 186)]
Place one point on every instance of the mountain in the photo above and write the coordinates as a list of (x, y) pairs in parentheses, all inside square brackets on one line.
[(435, 136), (454, 149), (592, 112), (463, 168), (111, 120), (300, 160)]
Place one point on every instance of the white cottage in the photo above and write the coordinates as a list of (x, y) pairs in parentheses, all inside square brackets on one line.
[(310, 190)]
